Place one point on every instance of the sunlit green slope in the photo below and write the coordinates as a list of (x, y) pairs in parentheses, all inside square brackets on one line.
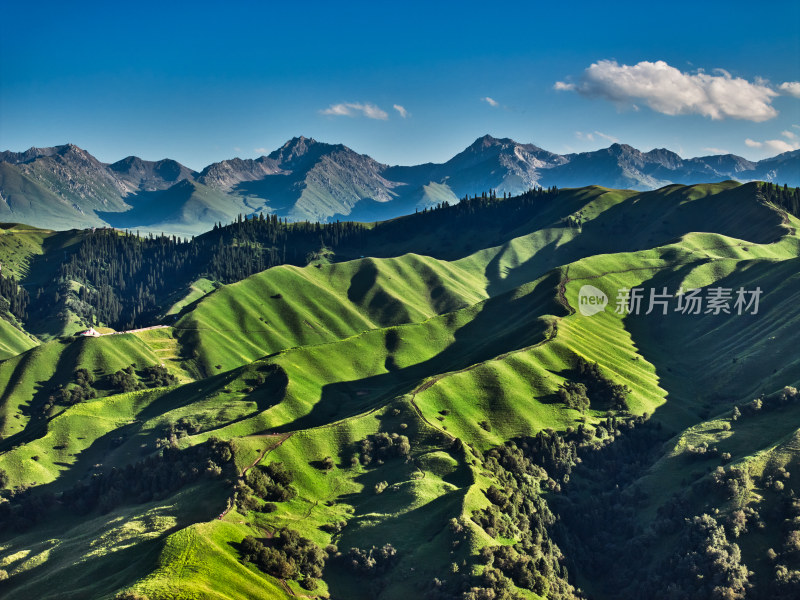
[(299, 365)]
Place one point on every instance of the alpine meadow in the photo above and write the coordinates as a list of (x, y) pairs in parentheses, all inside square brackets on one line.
[(280, 320), (388, 414)]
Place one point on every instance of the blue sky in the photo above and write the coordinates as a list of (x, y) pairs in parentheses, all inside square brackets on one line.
[(201, 82)]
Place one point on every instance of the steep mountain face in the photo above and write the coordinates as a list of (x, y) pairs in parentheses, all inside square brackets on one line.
[(74, 175), (723, 164), (337, 181), (228, 173), (59, 187), (302, 151), (503, 163), (185, 208), (304, 180), (784, 168), (514, 156), (65, 186), (24, 200), (623, 166), (618, 166), (144, 175)]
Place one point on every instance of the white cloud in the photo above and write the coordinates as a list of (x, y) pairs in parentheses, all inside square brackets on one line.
[(713, 150), (780, 146), (562, 86), (667, 90), (490, 101), (260, 150), (773, 146), (789, 134), (354, 109), (401, 110), (605, 136), (790, 88), (590, 136), (338, 110)]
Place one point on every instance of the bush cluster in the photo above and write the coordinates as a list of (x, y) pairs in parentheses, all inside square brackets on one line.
[(592, 388), (380, 447), (287, 555)]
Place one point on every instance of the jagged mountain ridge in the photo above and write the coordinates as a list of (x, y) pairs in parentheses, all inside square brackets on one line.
[(145, 175), (65, 186)]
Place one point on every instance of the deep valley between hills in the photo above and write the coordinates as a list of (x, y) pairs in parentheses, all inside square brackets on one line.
[(414, 407)]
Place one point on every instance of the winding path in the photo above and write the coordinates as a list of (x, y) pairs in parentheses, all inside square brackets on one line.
[(553, 332), (258, 459)]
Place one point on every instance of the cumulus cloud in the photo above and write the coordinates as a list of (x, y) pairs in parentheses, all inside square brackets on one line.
[(490, 101), (670, 91), (401, 110), (260, 150), (773, 146), (354, 109), (790, 88), (789, 134)]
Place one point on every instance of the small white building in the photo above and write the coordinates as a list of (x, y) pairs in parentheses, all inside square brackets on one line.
[(91, 332)]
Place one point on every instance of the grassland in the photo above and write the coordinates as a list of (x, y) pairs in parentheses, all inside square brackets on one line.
[(467, 343)]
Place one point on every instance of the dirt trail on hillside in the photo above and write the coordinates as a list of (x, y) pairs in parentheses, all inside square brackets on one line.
[(259, 458), (553, 332), (551, 335), (266, 451)]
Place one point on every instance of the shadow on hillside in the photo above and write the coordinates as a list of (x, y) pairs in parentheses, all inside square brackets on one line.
[(428, 536), (76, 567), (388, 309), (504, 324), (266, 394), (43, 268), (598, 506), (503, 279), (646, 220), (280, 191), (36, 425), (707, 362), (100, 574)]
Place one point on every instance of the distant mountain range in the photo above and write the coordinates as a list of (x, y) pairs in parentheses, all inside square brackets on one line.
[(65, 187)]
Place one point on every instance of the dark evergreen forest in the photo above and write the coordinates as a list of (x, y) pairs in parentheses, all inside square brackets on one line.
[(124, 278)]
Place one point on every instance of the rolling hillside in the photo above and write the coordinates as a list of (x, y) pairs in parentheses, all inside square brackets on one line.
[(411, 413)]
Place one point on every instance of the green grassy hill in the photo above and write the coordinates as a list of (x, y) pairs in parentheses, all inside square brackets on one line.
[(13, 341), (287, 306), (428, 397)]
